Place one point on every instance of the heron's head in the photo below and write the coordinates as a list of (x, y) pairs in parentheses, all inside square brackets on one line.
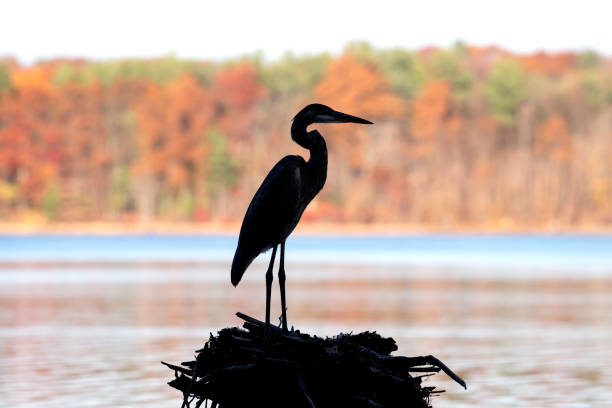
[(318, 113)]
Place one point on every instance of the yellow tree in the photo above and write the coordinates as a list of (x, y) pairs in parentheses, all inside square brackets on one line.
[(429, 110), (152, 161), (173, 120), (553, 139), (359, 89), (189, 113), (235, 91), (27, 117), (84, 139)]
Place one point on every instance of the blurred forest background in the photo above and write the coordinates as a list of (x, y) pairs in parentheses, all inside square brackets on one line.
[(465, 136)]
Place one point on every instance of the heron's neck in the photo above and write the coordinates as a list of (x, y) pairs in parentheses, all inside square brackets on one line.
[(314, 142)]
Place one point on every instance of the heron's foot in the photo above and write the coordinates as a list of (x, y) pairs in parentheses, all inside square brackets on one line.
[(283, 325)]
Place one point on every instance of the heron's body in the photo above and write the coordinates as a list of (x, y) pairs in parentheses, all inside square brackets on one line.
[(278, 204)]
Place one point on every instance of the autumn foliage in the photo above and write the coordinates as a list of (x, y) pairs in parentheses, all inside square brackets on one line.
[(466, 136)]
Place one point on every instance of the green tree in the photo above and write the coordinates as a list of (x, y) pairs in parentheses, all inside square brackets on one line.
[(505, 90), (160, 70), (588, 59), (185, 203), (598, 90), (405, 72), (69, 73), (222, 168), (447, 65), (50, 202), (5, 77), (119, 189), (363, 51), (204, 72), (294, 74), (403, 69)]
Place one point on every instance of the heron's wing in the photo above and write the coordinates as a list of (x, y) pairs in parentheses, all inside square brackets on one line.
[(272, 214)]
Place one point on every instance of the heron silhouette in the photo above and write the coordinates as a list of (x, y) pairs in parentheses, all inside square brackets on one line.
[(278, 204)]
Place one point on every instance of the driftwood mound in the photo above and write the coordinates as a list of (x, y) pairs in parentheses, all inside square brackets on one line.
[(245, 368)]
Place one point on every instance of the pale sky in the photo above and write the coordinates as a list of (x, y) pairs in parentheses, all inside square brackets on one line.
[(32, 30)]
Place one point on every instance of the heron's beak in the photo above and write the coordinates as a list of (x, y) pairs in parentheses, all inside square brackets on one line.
[(339, 117)]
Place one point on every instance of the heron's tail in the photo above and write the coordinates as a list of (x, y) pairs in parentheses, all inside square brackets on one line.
[(239, 266)]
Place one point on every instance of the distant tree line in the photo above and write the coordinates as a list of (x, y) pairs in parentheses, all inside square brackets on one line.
[(464, 136)]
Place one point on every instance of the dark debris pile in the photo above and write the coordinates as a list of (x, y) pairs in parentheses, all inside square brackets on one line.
[(247, 368)]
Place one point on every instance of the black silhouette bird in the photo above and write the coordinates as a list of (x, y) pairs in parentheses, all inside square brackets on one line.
[(283, 196)]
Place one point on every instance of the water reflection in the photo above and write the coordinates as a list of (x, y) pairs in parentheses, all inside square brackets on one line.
[(90, 335)]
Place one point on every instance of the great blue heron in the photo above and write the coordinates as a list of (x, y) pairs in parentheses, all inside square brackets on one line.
[(283, 196)]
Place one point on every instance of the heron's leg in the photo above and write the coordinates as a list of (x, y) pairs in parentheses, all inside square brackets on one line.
[(281, 281), (269, 278)]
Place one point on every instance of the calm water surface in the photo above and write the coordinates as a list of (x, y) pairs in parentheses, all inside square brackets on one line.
[(525, 320)]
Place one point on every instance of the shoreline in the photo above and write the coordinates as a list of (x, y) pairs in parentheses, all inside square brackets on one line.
[(309, 228)]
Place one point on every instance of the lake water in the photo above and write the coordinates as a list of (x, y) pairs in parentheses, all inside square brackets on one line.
[(526, 320)]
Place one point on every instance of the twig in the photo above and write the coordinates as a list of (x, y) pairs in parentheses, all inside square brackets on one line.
[(256, 322), (301, 384), (194, 376), (180, 369), (428, 369), (422, 360)]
